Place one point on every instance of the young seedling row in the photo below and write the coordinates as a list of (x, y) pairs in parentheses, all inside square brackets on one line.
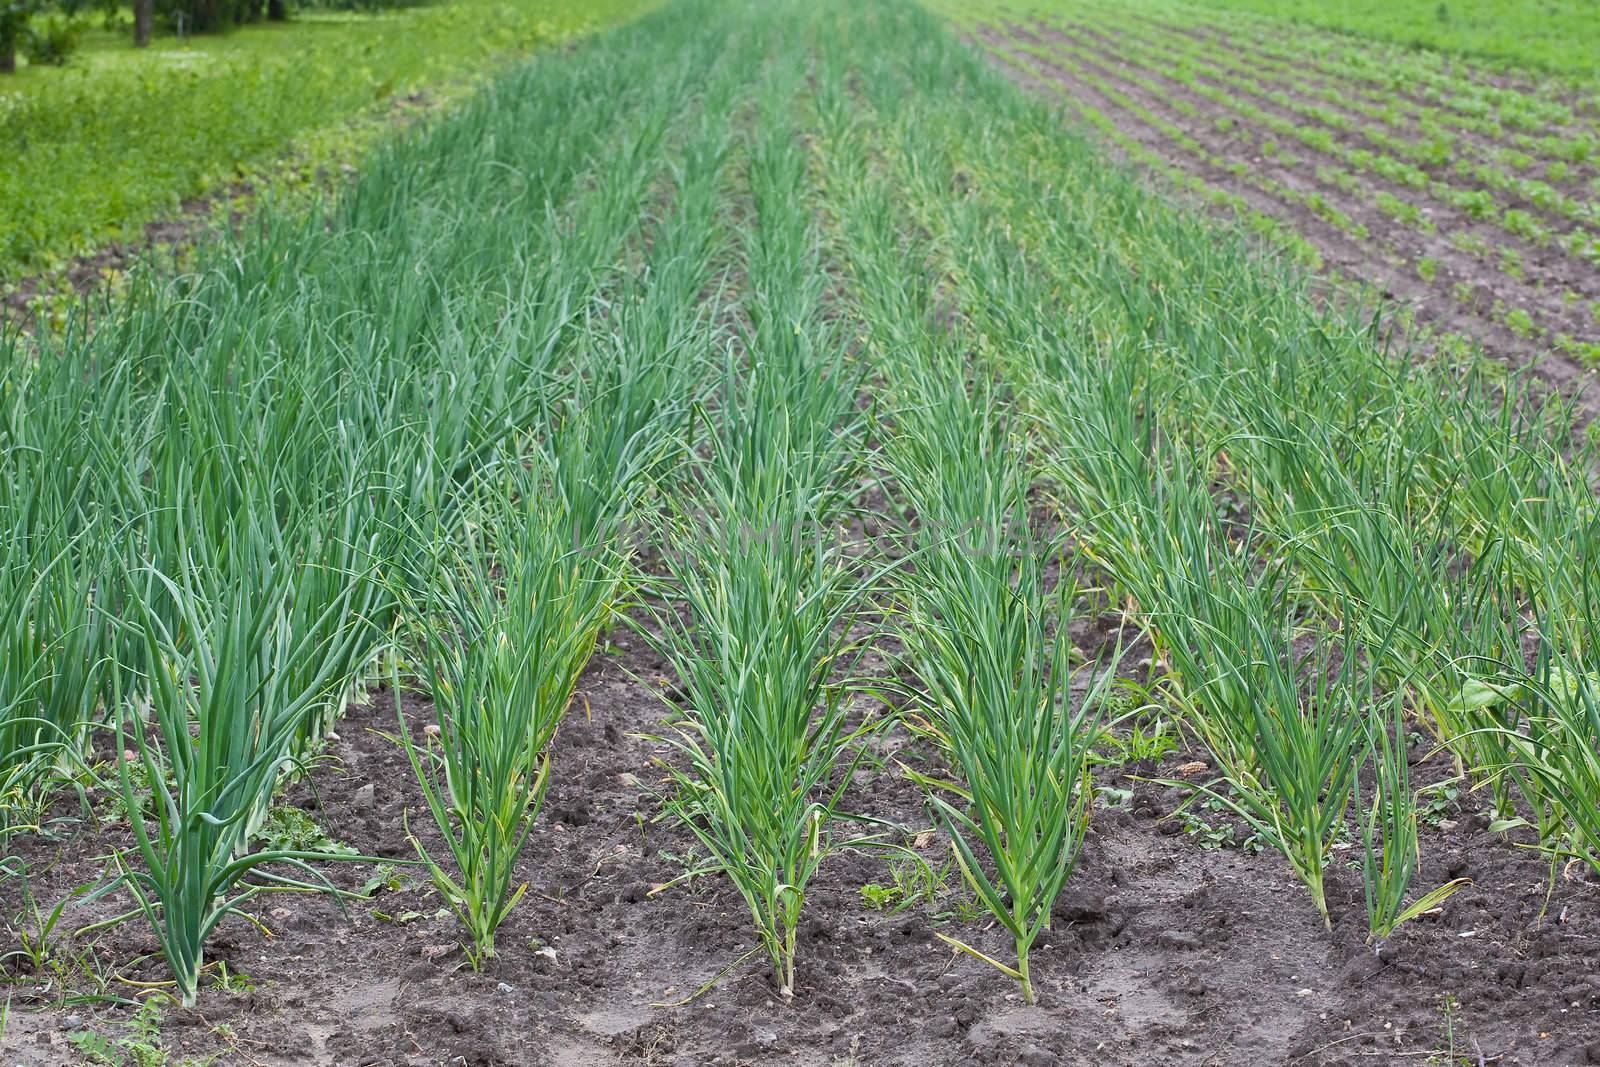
[(1489, 230)]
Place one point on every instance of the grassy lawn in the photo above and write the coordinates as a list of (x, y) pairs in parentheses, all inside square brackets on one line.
[(121, 137)]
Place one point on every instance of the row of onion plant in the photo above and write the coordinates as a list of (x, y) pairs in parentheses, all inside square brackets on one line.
[(1285, 702), (222, 494), (511, 598), (985, 598), (760, 587)]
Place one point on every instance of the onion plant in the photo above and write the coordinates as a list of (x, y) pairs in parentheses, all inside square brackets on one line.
[(1365, 525), (1285, 727), (503, 625), (507, 612), (1543, 722), (1302, 717), (998, 701), (1389, 833), (763, 732), (54, 552), (984, 635), (258, 440), (52, 663), (1422, 510), (224, 717)]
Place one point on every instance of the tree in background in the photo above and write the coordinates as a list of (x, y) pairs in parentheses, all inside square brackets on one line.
[(14, 16), (212, 16), (45, 31), (52, 41)]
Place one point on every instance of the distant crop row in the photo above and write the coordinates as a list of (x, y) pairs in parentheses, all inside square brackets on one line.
[(1421, 158), (1536, 210), (1440, 203), (645, 335)]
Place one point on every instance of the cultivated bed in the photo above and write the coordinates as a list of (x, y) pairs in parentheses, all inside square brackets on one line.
[(753, 542)]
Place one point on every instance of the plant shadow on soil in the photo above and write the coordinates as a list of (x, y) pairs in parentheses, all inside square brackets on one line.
[(1160, 952)]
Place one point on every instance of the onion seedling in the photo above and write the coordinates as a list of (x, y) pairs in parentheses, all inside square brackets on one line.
[(1389, 834), (225, 718), (504, 625)]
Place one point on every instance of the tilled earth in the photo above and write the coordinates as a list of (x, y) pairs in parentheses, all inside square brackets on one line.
[(1467, 295), (1162, 951)]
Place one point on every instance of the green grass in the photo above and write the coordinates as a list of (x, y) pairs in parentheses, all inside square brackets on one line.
[(1560, 36), (1557, 37), (122, 137)]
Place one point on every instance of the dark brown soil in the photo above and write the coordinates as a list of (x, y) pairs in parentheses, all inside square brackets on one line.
[(1162, 951), (1387, 263)]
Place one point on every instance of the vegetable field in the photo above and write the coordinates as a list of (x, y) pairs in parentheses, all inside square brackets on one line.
[(833, 533), (1467, 194)]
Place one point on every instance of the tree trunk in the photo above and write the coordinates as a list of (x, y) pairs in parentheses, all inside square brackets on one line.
[(143, 16), (10, 29), (277, 10)]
